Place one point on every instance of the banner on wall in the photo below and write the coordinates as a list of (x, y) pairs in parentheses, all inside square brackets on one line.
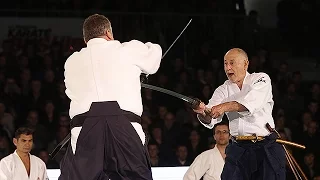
[(40, 27), (27, 31)]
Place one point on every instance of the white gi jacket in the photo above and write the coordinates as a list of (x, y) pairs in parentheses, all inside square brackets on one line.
[(256, 96), (12, 168), (209, 165), (109, 71)]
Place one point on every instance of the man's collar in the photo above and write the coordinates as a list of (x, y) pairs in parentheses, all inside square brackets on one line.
[(15, 152), (247, 74), (96, 41), (244, 80)]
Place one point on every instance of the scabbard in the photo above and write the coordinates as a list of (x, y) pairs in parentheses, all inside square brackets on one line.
[(60, 146), (290, 143)]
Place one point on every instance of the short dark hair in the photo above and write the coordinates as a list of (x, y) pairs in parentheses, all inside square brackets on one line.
[(223, 122), (95, 26), (23, 130)]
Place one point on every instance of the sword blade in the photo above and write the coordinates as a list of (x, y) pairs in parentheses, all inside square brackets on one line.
[(176, 39), (164, 54), (187, 99), (191, 101)]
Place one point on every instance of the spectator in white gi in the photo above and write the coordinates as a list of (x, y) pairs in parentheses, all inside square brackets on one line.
[(209, 164), (21, 165)]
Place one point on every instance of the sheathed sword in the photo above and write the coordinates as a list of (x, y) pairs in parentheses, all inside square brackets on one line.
[(60, 146), (296, 169)]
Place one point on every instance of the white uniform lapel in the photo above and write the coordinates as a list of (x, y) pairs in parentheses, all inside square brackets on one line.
[(19, 168), (34, 168), (218, 155)]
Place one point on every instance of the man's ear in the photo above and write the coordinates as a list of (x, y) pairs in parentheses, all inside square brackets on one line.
[(246, 64), (214, 138), (109, 35), (15, 141)]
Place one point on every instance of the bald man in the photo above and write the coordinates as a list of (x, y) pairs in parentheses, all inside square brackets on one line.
[(247, 101)]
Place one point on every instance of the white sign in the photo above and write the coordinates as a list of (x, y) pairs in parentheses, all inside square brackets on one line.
[(158, 173)]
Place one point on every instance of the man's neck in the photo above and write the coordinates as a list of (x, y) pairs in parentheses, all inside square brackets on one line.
[(222, 149), (22, 155), (240, 83), (25, 158)]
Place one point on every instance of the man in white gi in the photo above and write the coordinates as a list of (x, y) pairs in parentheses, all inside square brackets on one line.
[(21, 165), (209, 164), (103, 83), (247, 101)]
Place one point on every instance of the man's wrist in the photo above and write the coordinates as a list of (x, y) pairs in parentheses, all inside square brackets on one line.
[(205, 119), (225, 106)]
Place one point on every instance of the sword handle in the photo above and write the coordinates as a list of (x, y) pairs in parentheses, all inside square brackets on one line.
[(143, 78), (206, 117), (195, 104)]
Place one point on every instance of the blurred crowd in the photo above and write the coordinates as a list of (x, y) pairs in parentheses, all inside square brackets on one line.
[(189, 6), (32, 91)]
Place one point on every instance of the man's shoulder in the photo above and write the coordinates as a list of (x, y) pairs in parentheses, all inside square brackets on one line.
[(73, 55), (36, 158), (259, 77), (259, 74), (40, 161), (133, 42), (208, 152), (138, 44), (7, 158), (225, 84)]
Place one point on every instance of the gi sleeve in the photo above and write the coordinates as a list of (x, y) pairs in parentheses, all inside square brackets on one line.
[(259, 94), (198, 168), (217, 98), (68, 74), (5, 172), (147, 56)]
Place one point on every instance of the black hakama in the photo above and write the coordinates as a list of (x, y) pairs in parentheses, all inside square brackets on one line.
[(108, 147)]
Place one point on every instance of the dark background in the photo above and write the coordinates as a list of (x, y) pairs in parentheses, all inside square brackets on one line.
[(38, 36)]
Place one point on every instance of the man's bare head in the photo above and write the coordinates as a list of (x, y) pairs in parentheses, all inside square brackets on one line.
[(97, 26), (236, 65)]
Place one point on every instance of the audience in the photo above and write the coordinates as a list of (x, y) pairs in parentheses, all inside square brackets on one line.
[(32, 88)]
